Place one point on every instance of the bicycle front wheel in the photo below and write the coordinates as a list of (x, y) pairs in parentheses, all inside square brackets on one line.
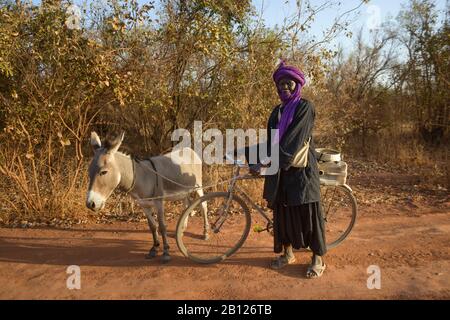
[(339, 212), (213, 227)]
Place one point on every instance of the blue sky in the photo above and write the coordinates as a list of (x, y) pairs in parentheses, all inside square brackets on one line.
[(274, 12)]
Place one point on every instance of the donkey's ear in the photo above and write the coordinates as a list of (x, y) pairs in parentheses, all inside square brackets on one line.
[(95, 140), (114, 145)]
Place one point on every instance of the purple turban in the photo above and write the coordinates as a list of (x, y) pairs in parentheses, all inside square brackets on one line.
[(291, 102)]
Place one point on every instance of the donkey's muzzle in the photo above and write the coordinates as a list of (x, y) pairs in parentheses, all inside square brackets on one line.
[(95, 201), (91, 205), (95, 206)]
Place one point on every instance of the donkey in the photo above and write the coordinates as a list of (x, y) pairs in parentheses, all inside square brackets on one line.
[(164, 177)]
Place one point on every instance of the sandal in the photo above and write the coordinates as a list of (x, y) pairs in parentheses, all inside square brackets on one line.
[(281, 262), (315, 270)]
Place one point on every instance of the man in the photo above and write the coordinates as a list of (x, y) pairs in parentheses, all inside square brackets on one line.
[(293, 193)]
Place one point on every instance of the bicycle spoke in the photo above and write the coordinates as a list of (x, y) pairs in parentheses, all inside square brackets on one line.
[(229, 226)]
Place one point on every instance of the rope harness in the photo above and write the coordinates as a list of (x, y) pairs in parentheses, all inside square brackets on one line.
[(159, 175), (133, 182)]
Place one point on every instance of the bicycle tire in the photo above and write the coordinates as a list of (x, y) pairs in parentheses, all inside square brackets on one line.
[(352, 221), (196, 204)]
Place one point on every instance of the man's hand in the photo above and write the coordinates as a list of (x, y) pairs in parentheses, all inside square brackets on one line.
[(255, 169)]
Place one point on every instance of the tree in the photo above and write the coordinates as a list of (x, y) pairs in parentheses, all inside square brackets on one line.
[(358, 85), (425, 77)]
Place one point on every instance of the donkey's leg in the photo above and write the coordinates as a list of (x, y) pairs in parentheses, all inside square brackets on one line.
[(187, 203), (154, 228), (163, 229), (204, 210)]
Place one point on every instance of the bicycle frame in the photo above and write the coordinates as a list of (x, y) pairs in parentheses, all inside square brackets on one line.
[(233, 188)]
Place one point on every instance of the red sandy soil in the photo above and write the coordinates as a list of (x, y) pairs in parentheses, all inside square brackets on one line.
[(411, 245)]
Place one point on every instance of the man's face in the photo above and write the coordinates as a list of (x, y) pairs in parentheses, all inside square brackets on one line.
[(286, 87)]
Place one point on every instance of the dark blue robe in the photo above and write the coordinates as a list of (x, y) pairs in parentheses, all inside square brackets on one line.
[(294, 193)]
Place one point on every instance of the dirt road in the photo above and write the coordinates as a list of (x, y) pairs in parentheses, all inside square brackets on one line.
[(411, 247)]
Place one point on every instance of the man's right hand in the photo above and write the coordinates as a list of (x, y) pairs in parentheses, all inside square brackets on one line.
[(255, 169)]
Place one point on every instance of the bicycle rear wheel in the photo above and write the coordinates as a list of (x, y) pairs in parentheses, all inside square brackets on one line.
[(339, 211), (229, 221)]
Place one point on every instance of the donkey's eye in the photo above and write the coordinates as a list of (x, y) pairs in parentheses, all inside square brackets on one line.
[(102, 173)]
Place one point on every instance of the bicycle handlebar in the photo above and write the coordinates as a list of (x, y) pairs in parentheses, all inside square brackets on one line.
[(240, 164), (237, 162)]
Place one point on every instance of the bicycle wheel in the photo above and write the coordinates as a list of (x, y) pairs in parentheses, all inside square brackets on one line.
[(229, 222), (339, 212)]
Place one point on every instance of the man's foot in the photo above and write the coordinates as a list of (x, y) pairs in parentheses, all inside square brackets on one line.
[(316, 268), (281, 261)]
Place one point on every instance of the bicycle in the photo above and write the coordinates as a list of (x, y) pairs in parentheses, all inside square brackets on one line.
[(229, 219)]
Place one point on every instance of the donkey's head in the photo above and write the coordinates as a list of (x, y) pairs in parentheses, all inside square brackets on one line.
[(104, 172)]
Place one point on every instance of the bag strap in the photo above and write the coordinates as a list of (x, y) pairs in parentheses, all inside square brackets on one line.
[(279, 118), (307, 141)]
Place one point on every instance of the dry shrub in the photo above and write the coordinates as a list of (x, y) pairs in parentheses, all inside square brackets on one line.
[(200, 60)]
